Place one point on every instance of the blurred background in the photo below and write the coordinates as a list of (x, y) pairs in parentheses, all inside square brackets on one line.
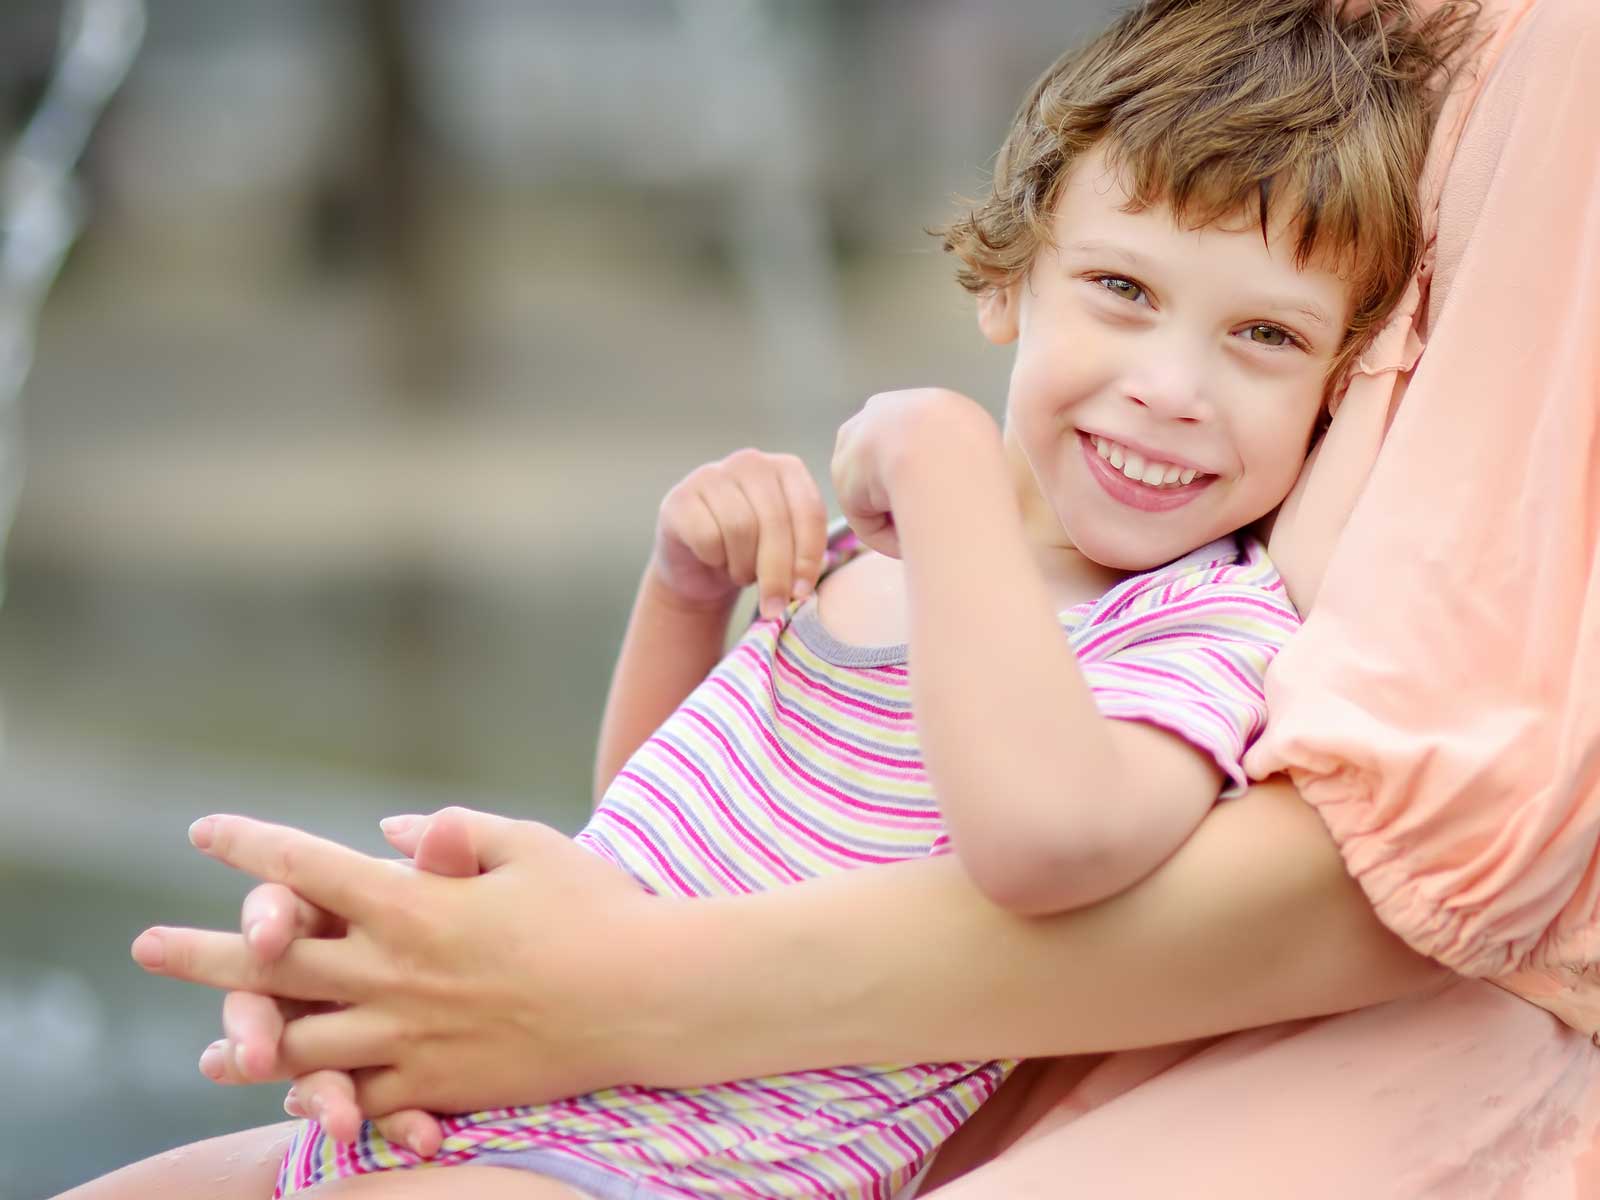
[(386, 328)]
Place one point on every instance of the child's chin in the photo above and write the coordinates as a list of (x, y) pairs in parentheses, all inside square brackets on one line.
[(1136, 556)]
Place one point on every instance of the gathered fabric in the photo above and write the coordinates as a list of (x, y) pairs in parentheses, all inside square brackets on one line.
[(1439, 708)]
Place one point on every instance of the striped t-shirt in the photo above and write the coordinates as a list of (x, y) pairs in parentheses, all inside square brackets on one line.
[(798, 756)]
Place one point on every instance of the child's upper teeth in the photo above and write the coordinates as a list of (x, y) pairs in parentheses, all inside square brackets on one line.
[(1146, 471)]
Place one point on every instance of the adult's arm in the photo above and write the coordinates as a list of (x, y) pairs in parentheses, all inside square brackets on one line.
[(461, 998)]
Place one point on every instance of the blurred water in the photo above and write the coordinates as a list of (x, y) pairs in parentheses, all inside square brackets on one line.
[(260, 567), (98, 1058)]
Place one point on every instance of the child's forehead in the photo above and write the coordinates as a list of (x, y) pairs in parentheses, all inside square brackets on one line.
[(1097, 207)]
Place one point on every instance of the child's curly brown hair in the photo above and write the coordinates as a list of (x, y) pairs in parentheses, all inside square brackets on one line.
[(1232, 110)]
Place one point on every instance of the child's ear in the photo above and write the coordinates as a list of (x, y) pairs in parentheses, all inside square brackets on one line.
[(997, 313)]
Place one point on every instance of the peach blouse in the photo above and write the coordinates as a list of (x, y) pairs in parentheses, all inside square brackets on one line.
[(1440, 709)]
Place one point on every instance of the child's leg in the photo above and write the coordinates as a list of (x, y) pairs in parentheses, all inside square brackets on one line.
[(244, 1166), (236, 1166)]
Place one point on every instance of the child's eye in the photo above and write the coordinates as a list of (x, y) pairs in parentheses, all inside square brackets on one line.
[(1118, 286), (1270, 335)]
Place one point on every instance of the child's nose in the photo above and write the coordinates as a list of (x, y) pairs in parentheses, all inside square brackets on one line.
[(1173, 389)]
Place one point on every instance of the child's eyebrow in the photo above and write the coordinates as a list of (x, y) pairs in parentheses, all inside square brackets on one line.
[(1132, 257), (1295, 305)]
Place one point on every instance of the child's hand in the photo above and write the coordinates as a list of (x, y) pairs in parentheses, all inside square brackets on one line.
[(918, 424), (750, 518)]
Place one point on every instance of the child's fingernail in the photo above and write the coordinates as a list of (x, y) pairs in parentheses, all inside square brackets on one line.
[(201, 831), (414, 1144), (398, 824), (291, 1104), (211, 1061)]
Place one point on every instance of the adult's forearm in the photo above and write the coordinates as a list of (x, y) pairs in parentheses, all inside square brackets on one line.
[(1252, 921)]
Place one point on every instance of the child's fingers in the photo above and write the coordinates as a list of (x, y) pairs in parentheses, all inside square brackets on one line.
[(272, 916), (247, 1052), (774, 549), (737, 524), (253, 1023), (414, 1129), (686, 517), (808, 515), (329, 1099)]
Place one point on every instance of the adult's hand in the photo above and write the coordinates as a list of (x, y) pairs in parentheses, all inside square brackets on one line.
[(439, 993), (253, 1024)]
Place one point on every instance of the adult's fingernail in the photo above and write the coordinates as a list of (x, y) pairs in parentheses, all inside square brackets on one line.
[(211, 1061), (771, 607), (398, 824), (200, 833), (149, 951), (802, 589), (291, 1105)]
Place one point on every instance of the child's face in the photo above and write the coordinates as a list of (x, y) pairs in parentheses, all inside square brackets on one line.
[(1168, 353)]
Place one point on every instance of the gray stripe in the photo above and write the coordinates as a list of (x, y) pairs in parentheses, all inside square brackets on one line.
[(812, 819), (850, 787), (808, 626), (690, 808)]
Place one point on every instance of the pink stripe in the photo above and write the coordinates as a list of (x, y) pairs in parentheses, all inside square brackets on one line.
[(741, 717), (684, 889), (706, 854), (783, 659), (894, 768), (1228, 665), (899, 723), (751, 841), (861, 1085), (781, 813), (1164, 616), (1188, 683), (823, 1185), (1170, 709), (754, 724)]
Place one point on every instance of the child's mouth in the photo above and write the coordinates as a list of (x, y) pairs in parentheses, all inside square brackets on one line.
[(1174, 485)]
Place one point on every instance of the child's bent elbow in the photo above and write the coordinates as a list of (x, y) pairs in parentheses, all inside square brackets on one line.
[(1040, 875), (1032, 879)]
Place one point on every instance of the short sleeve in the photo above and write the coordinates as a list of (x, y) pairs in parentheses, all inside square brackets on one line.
[(1441, 709), (1187, 648)]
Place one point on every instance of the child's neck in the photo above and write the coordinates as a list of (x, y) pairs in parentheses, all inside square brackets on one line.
[(1069, 577)]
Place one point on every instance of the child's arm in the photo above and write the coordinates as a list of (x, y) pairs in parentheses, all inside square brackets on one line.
[(1050, 804), (750, 518)]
